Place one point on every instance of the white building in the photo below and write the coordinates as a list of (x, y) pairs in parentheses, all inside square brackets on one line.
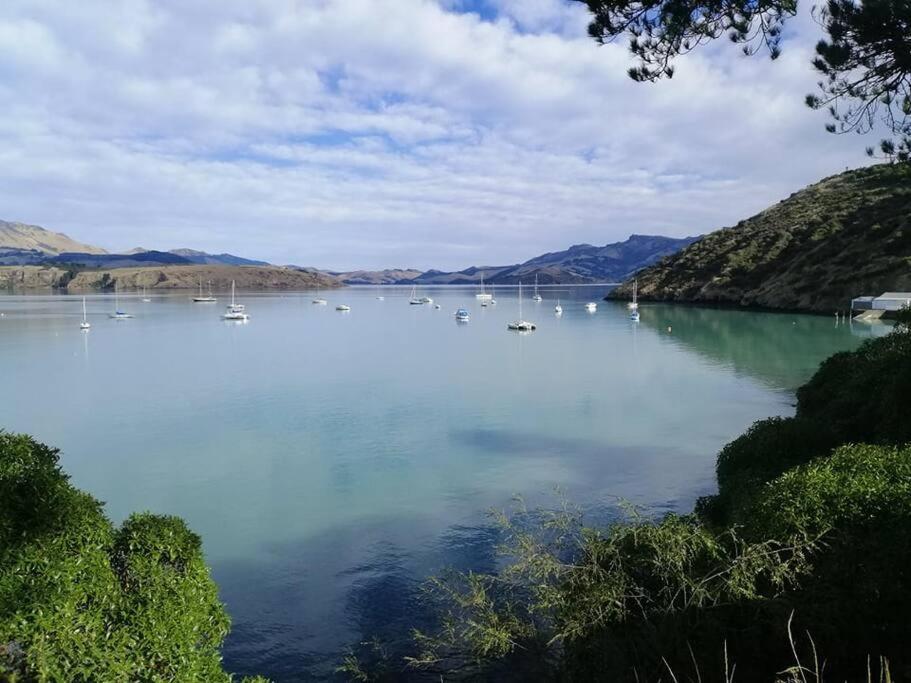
[(887, 301)]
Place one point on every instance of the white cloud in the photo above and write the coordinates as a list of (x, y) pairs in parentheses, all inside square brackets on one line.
[(374, 133)]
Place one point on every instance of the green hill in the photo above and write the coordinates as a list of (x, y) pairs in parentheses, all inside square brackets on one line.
[(844, 236)]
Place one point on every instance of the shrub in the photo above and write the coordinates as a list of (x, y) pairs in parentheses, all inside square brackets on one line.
[(768, 448), (81, 601), (863, 395)]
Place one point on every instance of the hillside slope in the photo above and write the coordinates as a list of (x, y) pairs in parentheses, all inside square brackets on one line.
[(847, 235), (32, 238), (163, 277)]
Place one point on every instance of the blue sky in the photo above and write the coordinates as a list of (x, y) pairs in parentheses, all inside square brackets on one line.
[(386, 133)]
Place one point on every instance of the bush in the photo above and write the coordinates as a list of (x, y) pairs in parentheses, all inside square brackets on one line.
[(768, 448), (863, 395), (81, 601)]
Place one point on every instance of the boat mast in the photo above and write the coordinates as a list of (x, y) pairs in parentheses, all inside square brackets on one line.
[(520, 300)]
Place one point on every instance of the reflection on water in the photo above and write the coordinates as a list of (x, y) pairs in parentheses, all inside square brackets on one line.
[(332, 461)]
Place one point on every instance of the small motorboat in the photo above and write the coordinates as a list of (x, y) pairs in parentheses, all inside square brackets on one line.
[(462, 315), (591, 307), (343, 307), (558, 309), (634, 315), (437, 307)]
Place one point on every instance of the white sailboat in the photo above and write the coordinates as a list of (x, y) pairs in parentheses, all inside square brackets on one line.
[(558, 309), (204, 299), (493, 299), (118, 314), (537, 297), (343, 307), (521, 325), (482, 295), (145, 297), (319, 301), (415, 300), (591, 307), (235, 311), (85, 324), (634, 304)]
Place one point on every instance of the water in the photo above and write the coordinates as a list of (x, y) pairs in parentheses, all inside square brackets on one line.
[(330, 460)]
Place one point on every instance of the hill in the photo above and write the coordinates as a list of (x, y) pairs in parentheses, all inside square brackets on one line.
[(162, 277), (37, 240), (581, 263), (195, 256), (847, 235), (142, 258)]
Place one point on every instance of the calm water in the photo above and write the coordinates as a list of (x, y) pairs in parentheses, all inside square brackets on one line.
[(330, 460)]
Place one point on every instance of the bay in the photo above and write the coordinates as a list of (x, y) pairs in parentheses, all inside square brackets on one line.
[(332, 460)]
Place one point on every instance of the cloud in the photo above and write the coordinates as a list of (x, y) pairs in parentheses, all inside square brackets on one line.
[(373, 133)]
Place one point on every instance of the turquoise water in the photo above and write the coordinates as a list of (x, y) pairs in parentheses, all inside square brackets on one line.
[(330, 460)]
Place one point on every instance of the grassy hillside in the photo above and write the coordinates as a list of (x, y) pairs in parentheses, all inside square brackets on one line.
[(162, 277), (845, 236), (24, 237)]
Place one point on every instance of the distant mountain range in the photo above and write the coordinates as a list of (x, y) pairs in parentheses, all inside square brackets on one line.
[(22, 245), (581, 263), (845, 236)]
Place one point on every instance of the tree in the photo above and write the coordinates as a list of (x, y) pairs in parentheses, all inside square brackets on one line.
[(865, 59)]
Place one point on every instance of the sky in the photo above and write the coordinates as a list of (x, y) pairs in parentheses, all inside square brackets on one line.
[(350, 134)]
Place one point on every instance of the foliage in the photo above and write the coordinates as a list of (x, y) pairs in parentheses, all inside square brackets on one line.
[(863, 395), (83, 601), (661, 30), (767, 449), (865, 60)]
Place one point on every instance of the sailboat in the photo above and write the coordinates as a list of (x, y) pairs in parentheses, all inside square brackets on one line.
[(520, 324), (85, 324), (118, 314), (145, 298), (537, 297), (493, 300), (319, 300), (591, 307), (634, 304), (418, 301), (558, 309), (235, 311), (207, 299), (482, 295)]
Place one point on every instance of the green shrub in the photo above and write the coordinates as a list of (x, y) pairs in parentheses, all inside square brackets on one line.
[(81, 601), (863, 395), (768, 448)]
